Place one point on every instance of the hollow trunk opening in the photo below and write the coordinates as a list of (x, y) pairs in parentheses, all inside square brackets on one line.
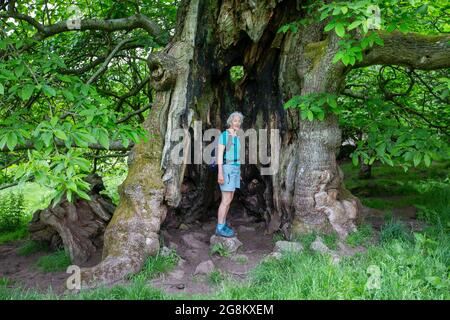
[(192, 83)]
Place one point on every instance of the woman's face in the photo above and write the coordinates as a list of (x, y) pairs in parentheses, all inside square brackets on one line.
[(236, 122)]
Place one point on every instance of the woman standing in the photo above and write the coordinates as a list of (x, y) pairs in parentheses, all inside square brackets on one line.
[(229, 173)]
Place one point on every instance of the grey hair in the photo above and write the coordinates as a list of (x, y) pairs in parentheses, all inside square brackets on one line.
[(234, 114)]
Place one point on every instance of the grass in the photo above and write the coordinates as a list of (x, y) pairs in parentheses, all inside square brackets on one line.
[(220, 249), (20, 233), (54, 262), (155, 265), (31, 247), (405, 273), (241, 259), (360, 237), (35, 197), (216, 277), (4, 281), (394, 229), (277, 236)]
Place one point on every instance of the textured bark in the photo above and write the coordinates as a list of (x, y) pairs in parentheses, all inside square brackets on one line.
[(307, 193), (77, 226), (412, 50), (132, 234)]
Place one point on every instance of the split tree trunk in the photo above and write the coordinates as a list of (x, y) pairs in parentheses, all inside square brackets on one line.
[(192, 82)]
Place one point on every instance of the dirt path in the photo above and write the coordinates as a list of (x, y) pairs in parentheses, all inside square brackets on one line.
[(193, 245), (21, 270)]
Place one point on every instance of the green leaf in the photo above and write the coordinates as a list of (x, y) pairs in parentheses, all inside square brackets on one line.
[(338, 56), (19, 70), (69, 195), (57, 198), (379, 41), (340, 30), (365, 42), (3, 141), (60, 134), (417, 158), (125, 141), (324, 15), (49, 91), (11, 141), (403, 27), (427, 159), (69, 96), (329, 26), (293, 102), (2, 89), (47, 138), (355, 159), (84, 164), (320, 115), (103, 138), (83, 195), (26, 92), (354, 25), (423, 9), (332, 102), (283, 29), (310, 115), (352, 60), (336, 11), (346, 60)]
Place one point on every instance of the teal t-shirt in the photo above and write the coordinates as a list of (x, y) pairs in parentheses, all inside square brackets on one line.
[(232, 153)]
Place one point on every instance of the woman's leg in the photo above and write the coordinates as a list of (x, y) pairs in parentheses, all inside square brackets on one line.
[(227, 197), (229, 204)]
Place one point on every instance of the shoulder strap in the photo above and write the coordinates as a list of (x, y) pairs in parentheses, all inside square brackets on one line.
[(228, 144)]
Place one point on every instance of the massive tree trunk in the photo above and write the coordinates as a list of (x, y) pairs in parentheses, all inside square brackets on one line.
[(192, 83)]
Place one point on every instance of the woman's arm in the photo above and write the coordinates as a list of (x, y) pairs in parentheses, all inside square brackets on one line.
[(219, 160)]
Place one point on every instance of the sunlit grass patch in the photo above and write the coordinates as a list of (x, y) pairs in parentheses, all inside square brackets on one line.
[(57, 261)]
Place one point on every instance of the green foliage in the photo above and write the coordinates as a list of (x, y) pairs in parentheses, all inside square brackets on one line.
[(156, 265), (57, 261), (4, 282), (236, 73), (216, 277), (360, 23), (278, 236), (394, 229), (16, 234), (361, 236), (408, 129), (405, 274), (314, 105), (11, 211), (220, 249), (50, 101), (330, 240)]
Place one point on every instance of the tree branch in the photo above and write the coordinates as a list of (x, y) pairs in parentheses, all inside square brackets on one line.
[(412, 49), (113, 145), (129, 23), (108, 59)]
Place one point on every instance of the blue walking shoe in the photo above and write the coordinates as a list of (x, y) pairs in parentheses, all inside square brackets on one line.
[(223, 231), (227, 226)]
